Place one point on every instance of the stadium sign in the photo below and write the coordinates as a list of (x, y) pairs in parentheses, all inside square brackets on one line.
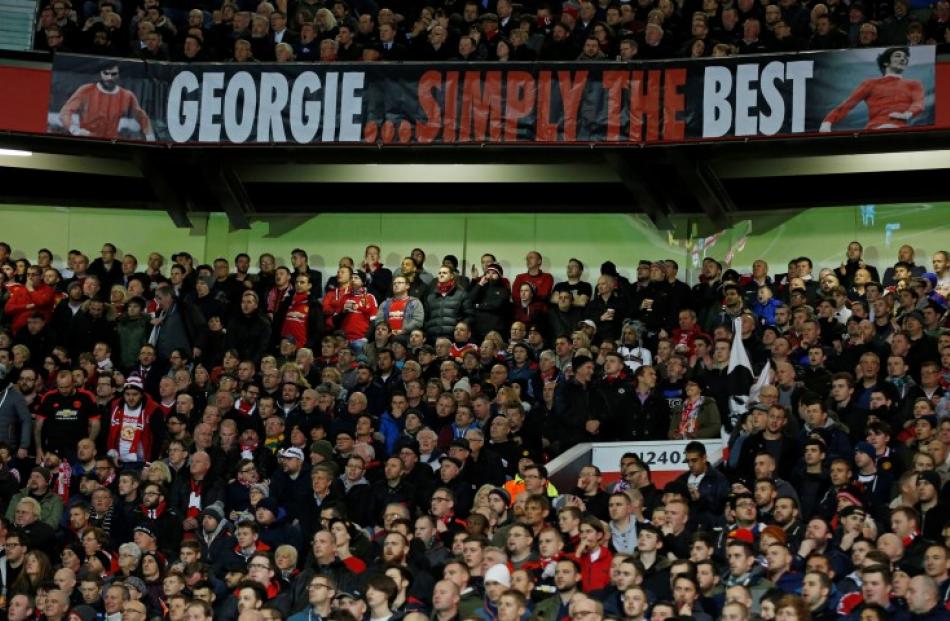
[(485, 103)]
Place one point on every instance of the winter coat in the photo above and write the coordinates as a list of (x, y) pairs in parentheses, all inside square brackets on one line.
[(293, 495), (444, 311), (249, 335), (575, 404), (492, 305), (131, 334)]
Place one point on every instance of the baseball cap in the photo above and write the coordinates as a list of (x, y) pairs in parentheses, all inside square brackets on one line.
[(291, 453)]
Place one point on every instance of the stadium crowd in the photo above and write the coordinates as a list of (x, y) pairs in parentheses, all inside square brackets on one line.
[(186, 441), (479, 30)]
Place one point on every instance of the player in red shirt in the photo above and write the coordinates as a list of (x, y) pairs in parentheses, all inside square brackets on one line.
[(892, 101), (101, 106)]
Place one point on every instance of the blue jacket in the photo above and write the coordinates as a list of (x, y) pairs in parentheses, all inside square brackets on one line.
[(766, 312)]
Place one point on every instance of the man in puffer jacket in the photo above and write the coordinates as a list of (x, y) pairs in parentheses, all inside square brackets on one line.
[(446, 305)]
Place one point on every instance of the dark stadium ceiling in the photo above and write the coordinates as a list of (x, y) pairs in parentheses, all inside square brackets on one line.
[(718, 183)]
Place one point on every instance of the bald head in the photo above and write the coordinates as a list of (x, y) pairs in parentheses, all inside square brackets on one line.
[(922, 594)]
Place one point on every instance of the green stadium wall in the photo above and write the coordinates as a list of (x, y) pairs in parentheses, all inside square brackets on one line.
[(821, 234)]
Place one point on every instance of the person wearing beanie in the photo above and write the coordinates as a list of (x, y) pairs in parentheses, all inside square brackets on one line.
[(497, 580), (576, 420), (491, 297), (933, 513), (135, 423), (214, 535), (877, 483), (156, 514)]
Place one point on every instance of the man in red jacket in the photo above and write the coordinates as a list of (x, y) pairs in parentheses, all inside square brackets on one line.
[(135, 424), (595, 558), (542, 282), (33, 297)]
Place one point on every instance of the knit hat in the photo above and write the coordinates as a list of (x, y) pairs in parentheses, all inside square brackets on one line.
[(136, 583), (915, 315), (407, 443), (851, 496), (931, 477), (43, 472), (463, 384), (86, 613), (215, 510), (134, 382), (495, 267), (263, 488), (322, 447), (498, 573), (270, 504), (501, 493), (865, 447)]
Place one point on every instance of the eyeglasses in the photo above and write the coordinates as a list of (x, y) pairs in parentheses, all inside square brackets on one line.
[(318, 585), (258, 566), (248, 470)]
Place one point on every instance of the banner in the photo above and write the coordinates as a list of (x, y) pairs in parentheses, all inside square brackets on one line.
[(666, 458), (493, 103)]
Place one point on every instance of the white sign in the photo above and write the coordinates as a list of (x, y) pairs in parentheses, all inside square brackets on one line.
[(662, 456)]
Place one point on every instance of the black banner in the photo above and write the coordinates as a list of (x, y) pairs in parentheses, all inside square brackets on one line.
[(494, 103)]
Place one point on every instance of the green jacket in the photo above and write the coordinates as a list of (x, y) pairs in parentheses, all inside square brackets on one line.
[(131, 335), (469, 603), (548, 608), (51, 507)]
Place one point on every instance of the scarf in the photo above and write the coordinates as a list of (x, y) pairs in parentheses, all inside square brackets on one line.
[(194, 501), (247, 450), (444, 287), (689, 417), (272, 444), (154, 514)]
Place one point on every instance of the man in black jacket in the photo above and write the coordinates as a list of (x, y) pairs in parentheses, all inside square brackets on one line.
[(291, 486), (650, 417), (192, 492), (579, 408), (249, 332), (155, 514), (618, 393)]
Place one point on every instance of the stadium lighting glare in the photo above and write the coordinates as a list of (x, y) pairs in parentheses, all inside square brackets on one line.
[(15, 153), (834, 164), (428, 173)]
